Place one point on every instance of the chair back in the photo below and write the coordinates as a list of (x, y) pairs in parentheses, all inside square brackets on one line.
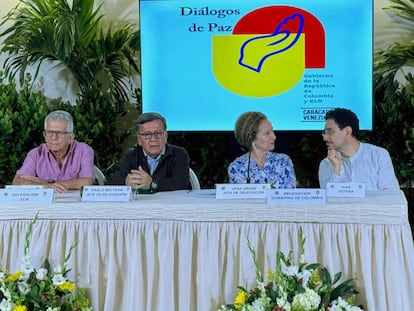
[(99, 176), (195, 184)]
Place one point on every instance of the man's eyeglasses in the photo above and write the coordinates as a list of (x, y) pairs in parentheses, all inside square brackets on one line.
[(330, 131), (59, 134), (149, 135)]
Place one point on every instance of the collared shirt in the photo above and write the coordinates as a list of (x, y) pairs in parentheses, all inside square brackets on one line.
[(40, 162), (371, 165), (172, 172), (153, 162), (278, 171)]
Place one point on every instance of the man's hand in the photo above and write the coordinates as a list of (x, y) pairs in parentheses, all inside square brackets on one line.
[(336, 161), (138, 179), (33, 180), (56, 186)]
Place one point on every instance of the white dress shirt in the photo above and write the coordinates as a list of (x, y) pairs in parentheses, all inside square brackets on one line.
[(371, 165)]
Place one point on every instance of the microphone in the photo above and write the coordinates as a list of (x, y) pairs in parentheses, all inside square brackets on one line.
[(252, 137), (248, 166)]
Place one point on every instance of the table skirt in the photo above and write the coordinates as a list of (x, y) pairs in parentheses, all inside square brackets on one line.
[(184, 265)]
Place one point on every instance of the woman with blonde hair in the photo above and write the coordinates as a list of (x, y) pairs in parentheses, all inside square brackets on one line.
[(260, 164)]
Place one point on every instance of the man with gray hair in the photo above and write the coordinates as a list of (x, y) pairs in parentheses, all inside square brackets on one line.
[(61, 163)]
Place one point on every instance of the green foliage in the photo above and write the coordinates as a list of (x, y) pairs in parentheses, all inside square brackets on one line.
[(22, 114), (104, 65), (54, 30)]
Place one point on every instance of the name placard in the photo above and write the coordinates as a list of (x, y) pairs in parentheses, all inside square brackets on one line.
[(106, 193), (24, 187), (296, 196), (26, 195), (346, 189), (241, 191)]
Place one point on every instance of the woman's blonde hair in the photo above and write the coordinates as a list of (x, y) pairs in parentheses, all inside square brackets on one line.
[(247, 126)]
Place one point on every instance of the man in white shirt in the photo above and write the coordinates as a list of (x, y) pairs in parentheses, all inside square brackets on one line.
[(349, 159)]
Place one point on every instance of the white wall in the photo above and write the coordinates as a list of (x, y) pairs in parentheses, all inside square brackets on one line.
[(57, 84), (384, 31)]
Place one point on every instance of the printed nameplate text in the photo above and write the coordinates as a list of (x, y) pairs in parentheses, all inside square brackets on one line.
[(26, 195), (106, 193), (296, 196), (241, 191), (24, 187), (345, 189)]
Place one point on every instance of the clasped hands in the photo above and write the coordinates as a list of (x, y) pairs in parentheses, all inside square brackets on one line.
[(138, 179)]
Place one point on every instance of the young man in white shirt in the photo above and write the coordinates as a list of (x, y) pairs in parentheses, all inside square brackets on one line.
[(349, 159)]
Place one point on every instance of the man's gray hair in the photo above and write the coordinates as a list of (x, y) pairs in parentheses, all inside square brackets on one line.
[(60, 116)]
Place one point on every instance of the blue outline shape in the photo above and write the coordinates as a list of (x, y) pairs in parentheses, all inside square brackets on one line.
[(276, 32)]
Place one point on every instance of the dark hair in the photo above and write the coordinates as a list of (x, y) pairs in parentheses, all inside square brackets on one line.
[(344, 117), (247, 126), (150, 116)]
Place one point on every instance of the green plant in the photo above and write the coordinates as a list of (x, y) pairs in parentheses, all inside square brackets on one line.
[(70, 34), (21, 123)]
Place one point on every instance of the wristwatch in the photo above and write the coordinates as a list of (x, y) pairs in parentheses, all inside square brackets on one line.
[(51, 181), (153, 186)]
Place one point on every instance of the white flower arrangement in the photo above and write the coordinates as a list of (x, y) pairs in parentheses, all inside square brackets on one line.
[(42, 289), (302, 287)]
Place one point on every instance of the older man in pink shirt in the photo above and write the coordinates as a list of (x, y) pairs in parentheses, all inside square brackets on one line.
[(62, 163)]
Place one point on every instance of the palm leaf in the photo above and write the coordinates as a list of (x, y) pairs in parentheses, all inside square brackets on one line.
[(54, 30), (399, 55)]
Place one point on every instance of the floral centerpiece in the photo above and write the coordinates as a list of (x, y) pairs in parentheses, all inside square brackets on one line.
[(301, 287), (42, 289)]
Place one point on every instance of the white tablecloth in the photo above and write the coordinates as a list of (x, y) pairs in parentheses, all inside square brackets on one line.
[(188, 251)]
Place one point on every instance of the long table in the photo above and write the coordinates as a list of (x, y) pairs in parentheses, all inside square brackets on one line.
[(188, 251)]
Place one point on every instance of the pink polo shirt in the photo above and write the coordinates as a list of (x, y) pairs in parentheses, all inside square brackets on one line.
[(79, 162)]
